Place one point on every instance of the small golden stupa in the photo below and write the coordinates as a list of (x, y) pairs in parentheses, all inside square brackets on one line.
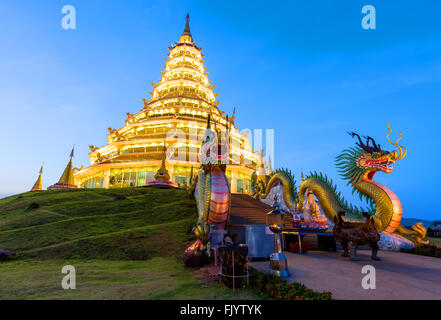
[(162, 177), (162, 173), (38, 186), (67, 178)]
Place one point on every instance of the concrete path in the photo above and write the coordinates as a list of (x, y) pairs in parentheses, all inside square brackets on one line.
[(398, 275)]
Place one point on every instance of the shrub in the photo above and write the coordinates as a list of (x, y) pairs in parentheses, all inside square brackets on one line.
[(196, 259), (277, 288), (425, 250)]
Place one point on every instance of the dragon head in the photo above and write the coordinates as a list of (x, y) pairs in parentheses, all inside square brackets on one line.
[(367, 159)]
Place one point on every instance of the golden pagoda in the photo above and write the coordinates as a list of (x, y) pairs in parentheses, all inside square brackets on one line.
[(181, 102), (67, 178), (38, 186)]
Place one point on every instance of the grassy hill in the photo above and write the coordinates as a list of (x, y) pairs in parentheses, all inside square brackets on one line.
[(124, 243), (129, 223)]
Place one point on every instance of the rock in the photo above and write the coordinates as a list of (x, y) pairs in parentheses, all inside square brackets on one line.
[(394, 242), (6, 254)]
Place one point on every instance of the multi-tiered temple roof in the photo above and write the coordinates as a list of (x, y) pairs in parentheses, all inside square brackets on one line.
[(180, 104)]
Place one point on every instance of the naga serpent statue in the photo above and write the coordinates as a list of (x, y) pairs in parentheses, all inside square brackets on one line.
[(358, 165), (211, 191)]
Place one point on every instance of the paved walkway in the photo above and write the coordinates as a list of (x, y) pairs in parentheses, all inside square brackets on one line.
[(398, 275)]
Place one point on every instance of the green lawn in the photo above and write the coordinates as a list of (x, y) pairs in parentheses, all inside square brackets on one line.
[(156, 278)]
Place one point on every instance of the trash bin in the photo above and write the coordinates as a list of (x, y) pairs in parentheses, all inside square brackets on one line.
[(234, 264)]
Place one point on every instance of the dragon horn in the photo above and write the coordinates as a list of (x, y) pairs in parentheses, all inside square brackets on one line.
[(361, 144), (373, 142), (367, 141), (403, 150)]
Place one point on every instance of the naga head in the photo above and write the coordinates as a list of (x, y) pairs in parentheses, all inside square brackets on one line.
[(363, 161)]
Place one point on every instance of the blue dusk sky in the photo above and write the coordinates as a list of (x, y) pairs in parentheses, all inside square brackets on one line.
[(304, 68)]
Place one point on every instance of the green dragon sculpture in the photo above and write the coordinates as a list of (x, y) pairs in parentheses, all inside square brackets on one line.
[(357, 165), (263, 185)]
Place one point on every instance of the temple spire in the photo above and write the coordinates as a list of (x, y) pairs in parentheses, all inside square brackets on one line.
[(209, 121), (270, 167), (186, 35), (38, 186), (67, 178), (191, 176)]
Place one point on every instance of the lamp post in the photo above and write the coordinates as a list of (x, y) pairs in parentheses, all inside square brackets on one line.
[(278, 262)]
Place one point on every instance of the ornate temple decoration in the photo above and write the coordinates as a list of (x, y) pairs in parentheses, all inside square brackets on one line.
[(93, 148), (177, 112), (162, 178), (162, 173), (38, 186)]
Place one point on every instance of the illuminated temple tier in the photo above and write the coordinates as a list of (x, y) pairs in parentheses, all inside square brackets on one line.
[(182, 100)]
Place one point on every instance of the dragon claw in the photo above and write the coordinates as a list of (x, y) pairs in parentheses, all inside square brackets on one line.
[(201, 231)]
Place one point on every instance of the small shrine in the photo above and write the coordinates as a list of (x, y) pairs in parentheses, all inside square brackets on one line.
[(162, 177)]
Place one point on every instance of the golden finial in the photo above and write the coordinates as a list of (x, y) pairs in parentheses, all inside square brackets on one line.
[(130, 116), (72, 152), (186, 35)]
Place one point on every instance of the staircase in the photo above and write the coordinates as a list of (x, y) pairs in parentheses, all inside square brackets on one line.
[(246, 210)]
